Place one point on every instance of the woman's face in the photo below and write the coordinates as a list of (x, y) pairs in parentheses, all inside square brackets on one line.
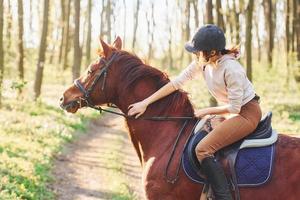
[(200, 57), (207, 57)]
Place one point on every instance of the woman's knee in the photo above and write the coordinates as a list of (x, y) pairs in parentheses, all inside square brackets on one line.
[(202, 151)]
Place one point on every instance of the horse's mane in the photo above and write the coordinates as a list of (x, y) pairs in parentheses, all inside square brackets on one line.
[(133, 70)]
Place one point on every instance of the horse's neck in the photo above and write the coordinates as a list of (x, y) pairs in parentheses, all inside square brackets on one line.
[(150, 138)]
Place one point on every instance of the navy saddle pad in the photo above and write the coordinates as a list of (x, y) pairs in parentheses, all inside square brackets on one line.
[(253, 166)]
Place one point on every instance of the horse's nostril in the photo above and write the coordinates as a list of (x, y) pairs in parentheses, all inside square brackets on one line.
[(61, 99)]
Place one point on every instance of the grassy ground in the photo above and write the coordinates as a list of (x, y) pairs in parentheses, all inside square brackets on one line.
[(30, 135), (112, 158)]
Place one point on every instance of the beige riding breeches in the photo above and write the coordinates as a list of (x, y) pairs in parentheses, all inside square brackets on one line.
[(230, 130)]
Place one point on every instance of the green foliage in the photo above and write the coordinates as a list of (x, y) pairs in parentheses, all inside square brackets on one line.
[(295, 116), (18, 85), (30, 135)]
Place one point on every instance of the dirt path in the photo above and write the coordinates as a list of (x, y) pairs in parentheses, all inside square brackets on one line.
[(83, 170)]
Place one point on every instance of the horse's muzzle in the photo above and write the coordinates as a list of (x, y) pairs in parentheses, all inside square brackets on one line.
[(72, 106)]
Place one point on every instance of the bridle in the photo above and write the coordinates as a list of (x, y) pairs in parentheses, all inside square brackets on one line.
[(87, 99), (102, 72)]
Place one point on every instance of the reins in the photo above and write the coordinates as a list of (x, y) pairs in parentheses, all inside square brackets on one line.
[(103, 72), (154, 118), (87, 100)]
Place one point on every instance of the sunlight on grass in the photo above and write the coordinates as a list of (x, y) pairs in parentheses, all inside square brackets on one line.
[(114, 177), (30, 135)]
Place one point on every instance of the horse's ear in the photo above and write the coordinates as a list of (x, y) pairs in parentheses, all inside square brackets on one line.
[(107, 51), (118, 43)]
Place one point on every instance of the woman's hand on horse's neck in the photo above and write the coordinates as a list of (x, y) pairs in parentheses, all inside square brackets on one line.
[(162, 92), (144, 91), (143, 131)]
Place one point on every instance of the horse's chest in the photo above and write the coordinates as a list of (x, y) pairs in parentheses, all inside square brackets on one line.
[(152, 169)]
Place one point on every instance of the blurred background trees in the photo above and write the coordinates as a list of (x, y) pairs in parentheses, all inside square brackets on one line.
[(1, 48), (156, 31), (45, 44)]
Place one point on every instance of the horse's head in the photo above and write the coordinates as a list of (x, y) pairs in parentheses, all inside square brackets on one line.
[(93, 87)]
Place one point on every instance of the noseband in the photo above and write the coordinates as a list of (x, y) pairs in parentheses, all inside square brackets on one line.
[(102, 72)]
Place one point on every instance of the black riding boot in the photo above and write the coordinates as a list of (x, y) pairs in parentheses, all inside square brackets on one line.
[(216, 177)]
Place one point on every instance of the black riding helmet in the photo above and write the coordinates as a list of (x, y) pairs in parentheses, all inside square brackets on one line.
[(207, 38)]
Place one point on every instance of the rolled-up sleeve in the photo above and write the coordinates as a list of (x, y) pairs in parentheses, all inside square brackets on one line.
[(234, 77), (187, 74)]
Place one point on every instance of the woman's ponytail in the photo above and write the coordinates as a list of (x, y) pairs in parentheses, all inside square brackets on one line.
[(234, 50)]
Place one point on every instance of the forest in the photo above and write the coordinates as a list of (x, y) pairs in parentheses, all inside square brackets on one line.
[(45, 45)]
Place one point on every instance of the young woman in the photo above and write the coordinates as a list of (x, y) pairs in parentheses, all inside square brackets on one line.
[(227, 82)]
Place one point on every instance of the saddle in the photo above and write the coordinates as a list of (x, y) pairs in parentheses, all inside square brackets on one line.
[(247, 162)]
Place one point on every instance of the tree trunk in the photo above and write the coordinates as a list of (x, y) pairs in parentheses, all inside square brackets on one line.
[(256, 22), (229, 19), (136, 21), (187, 29), (63, 26), (220, 20), (89, 32), (102, 19), (42, 51), (184, 25), (108, 19), (237, 12), (9, 26), (294, 29), (169, 22), (77, 49), (151, 28), (268, 7), (124, 22), (209, 12), (1, 50), (287, 33), (249, 38), (20, 40), (297, 27), (258, 41), (114, 17), (195, 6), (187, 21), (66, 36)]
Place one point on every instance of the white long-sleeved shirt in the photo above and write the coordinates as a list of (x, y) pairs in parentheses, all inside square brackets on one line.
[(227, 81)]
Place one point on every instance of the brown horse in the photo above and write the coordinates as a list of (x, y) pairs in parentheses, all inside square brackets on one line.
[(121, 78)]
